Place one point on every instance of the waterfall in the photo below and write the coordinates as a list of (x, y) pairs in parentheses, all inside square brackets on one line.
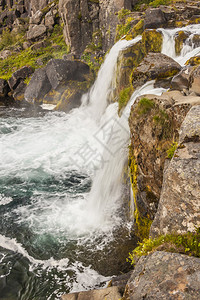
[(188, 50), (61, 184)]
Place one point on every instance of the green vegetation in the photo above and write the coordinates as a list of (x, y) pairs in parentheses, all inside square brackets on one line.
[(9, 39), (157, 3), (123, 29), (152, 41), (93, 62), (54, 47), (145, 105), (122, 13), (171, 150), (188, 244), (124, 97)]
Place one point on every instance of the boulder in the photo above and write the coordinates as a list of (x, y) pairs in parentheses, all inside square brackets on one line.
[(18, 76), (154, 18), (195, 81), (154, 66), (179, 206), (162, 275), (111, 293), (60, 71), (4, 88), (181, 80), (36, 18), (38, 86), (18, 93), (36, 32), (49, 19)]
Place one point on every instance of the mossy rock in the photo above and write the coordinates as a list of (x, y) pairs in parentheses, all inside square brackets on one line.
[(180, 38), (142, 224), (71, 97), (52, 97), (193, 61), (136, 30), (152, 41)]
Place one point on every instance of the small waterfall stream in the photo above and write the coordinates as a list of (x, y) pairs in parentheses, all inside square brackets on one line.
[(60, 188)]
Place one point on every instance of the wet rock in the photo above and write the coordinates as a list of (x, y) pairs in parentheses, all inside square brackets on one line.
[(110, 293), (179, 206), (193, 61), (18, 93), (71, 97), (60, 71), (36, 32), (162, 275), (4, 88), (19, 76), (180, 38), (154, 66), (38, 86), (154, 18)]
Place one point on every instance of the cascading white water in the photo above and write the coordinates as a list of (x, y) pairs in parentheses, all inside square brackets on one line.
[(47, 164), (188, 49)]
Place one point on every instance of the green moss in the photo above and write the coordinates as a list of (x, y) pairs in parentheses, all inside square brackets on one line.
[(171, 150), (142, 224), (124, 97), (157, 3), (145, 105), (136, 30), (79, 16), (193, 61), (152, 41), (35, 58), (179, 40), (188, 243), (123, 29), (122, 13)]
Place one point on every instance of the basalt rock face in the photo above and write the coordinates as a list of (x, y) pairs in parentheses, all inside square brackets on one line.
[(179, 206), (154, 124), (162, 275), (81, 20), (84, 18)]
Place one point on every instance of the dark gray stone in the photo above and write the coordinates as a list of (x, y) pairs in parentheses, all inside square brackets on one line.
[(60, 71), (4, 88), (38, 86), (154, 18), (19, 76), (36, 32)]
